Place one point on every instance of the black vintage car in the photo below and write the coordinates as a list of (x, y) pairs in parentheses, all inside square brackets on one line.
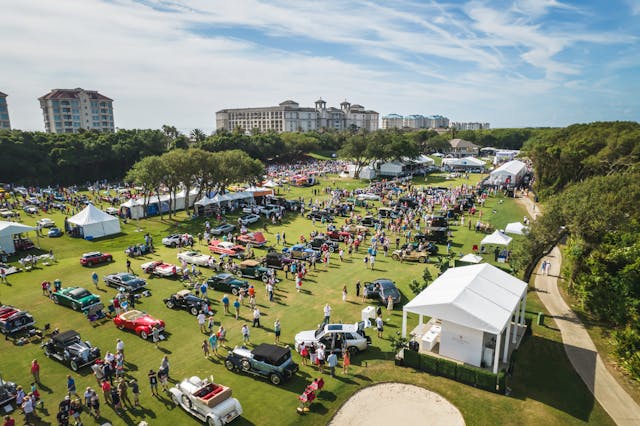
[(381, 289), (369, 221), (276, 260), (70, 349), (437, 234), (188, 301), (228, 283), (320, 215), (317, 243), (265, 360), (129, 282), (7, 395), (14, 320)]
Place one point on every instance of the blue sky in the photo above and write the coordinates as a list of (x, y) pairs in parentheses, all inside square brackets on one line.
[(511, 63)]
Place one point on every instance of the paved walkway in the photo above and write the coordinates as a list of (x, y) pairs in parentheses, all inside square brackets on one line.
[(580, 348)]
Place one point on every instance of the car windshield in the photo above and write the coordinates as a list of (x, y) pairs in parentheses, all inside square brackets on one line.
[(79, 293), (386, 285), (127, 277)]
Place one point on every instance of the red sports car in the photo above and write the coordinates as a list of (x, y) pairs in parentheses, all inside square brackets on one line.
[(138, 322), (338, 235), (225, 247), (160, 268), (94, 258), (256, 239)]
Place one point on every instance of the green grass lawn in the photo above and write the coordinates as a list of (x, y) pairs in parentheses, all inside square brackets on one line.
[(545, 387)]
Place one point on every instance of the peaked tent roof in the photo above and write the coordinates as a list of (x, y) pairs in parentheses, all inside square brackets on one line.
[(511, 167), (90, 215), (516, 228), (471, 258), (481, 297), (12, 228), (498, 237)]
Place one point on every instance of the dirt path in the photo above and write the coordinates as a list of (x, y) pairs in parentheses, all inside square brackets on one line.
[(578, 345)]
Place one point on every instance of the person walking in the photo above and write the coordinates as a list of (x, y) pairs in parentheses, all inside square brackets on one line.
[(35, 370), (155, 336), (327, 313), (135, 391), (205, 348), (379, 326), (164, 365), (256, 317), (120, 347), (358, 288), (71, 386), (344, 293), (320, 358), (95, 404), (129, 266), (3, 275), (236, 307), (106, 391), (225, 303), (346, 361), (276, 330), (94, 277), (245, 334), (332, 362), (390, 303), (123, 392), (153, 382), (202, 320), (213, 342), (269, 288)]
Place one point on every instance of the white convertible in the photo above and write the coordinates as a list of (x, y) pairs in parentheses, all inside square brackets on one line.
[(196, 258), (210, 402)]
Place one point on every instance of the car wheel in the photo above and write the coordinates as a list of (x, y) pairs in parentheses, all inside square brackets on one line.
[(75, 307), (230, 366), (56, 300), (170, 304), (395, 257), (234, 291), (73, 365), (194, 311), (239, 273), (265, 278), (353, 350), (173, 245), (110, 259), (275, 379), (175, 399), (422, 259), (331, 249), (186, 401), (144, 335), (46, 352), (245, 364)]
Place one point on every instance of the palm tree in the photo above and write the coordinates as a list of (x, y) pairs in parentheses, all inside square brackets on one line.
[(198, 135)]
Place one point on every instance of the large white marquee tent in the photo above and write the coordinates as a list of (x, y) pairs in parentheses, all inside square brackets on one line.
[(476, 306), (497, 238), (95, 223), (7, 231), (511, 172)]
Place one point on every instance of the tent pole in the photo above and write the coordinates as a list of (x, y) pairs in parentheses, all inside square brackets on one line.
[(404, 323), (516, 321), (496, 355), (524, 306), (421, 319), (505, 353)]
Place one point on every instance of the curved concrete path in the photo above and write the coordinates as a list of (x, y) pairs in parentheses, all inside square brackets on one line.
[(579, 347)]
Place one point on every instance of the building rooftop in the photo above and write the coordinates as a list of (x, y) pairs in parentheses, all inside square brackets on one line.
[(73, 94), (461, 143), (288, 102), (3, 95), (392, 116)]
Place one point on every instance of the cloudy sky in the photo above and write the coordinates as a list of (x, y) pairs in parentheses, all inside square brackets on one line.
[(511, 63)]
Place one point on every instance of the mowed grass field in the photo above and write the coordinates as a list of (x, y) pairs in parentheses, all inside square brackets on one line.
[(545, 389)]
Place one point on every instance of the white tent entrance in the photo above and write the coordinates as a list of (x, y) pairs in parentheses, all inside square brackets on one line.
[(93, 223), (477, 315), (7, 232)]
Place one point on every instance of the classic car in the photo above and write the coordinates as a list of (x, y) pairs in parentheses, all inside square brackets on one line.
[(8, 269), (248, 219), (138, 322), (437, 234), (188, 301), (159, 268), (226, 247), (411, 255), (301, 251), (322, 243), (175, 240), (227, 283), (256, 239), (271, 361), (54, 233), (197, 258), (336, 337), (7, 395), (6, 213), (320, 215), (95, 257), (356, 229), (223, 229), (23, 244), (14, 320), (112, 211), (368, 196), (69, 348), (381, 289), (125, 280), (369, 221), (209, 402), (30, 209), (45, 222), (77, 298), (273, 259), (252, 269), (336, 235)]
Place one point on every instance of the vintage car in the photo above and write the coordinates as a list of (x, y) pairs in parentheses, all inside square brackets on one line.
[(95, 257), (68, 348), (253, 269), (161, 269), (7, 395), (8, 269), (256, 239), (30, 209), (209, 402), (368, 196), (223, 229), (356, 229), (77, 298), (175, 240), (276, 260), (54, 233), (249, 219), (411, 256), (23, 244), (320, 215), (227, 283), (188, 301), (322, 243), (14, 320), (336, 235), (194, 257), (225, 247), (437, 234), (336, 337), (271, 361), (6, 213), (138, 322), (368, 221), (301, 251), (381, 289), (125, 280), (45, 222)]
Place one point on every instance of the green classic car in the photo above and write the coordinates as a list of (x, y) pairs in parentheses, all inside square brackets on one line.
[(252, 269), (227, 283), (77, 298)]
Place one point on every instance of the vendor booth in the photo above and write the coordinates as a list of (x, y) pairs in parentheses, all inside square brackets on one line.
[(466, 164), (498, 238), (516, 228), (477, 315), (93, 223), (8, 231)]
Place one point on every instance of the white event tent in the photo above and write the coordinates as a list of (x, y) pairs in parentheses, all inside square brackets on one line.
[(516, 228), (511, 172), (497, 238), (471, 258), (95, 223), (466, 163), (7, 231), (476, 305)]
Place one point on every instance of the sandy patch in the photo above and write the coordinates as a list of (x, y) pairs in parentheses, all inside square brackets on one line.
[(387, 404)]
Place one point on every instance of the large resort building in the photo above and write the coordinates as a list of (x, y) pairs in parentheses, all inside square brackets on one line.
[(415, 121), (5, 124), (288, 116), (69, 110)]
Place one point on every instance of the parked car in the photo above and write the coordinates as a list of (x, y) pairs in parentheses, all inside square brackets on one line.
[(336, 337), (410, 256), (381, 289), (68, 348), (138, 322), (188, 301), (6, 213), (54, 233), (159, 268), (7, 395), (271, 361), (175, 240), (8, 269), (336, 235), (437, 234), (77, 298), (269, 210), (45, 222), (23, 244), (253, 269), (276, 260), (320, 243), (94, 258), (194, 257), (320, 215), (226, 247), (356, 229), (368, 196), (227, 283), (249, 219), (129, 282), (112, 211), (208, 402), (14, 320), (30, 209), (369, 221), (256, 239), (223, 229), (301, 251)]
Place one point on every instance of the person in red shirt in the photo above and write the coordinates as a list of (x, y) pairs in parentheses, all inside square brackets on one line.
[(9, 421), (35, 370), (106, 391)]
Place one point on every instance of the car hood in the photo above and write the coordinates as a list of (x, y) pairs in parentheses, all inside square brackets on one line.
[(306, 336), (150, 321), (89, 300)]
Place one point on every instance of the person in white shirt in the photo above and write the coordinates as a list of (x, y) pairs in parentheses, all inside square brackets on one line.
[(120, 346), (379, 326), (256, 317), (327, 313), (201, 322)]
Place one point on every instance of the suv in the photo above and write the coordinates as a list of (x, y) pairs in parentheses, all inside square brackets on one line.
[(269, 210), (95, 257), (336, 337), (70, 349), (264, 360)]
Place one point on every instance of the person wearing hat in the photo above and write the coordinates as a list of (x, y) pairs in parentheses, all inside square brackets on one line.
[(28, 409), (87, 397)]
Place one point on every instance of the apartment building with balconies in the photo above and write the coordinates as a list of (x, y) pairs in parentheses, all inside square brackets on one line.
[(69, 110)]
